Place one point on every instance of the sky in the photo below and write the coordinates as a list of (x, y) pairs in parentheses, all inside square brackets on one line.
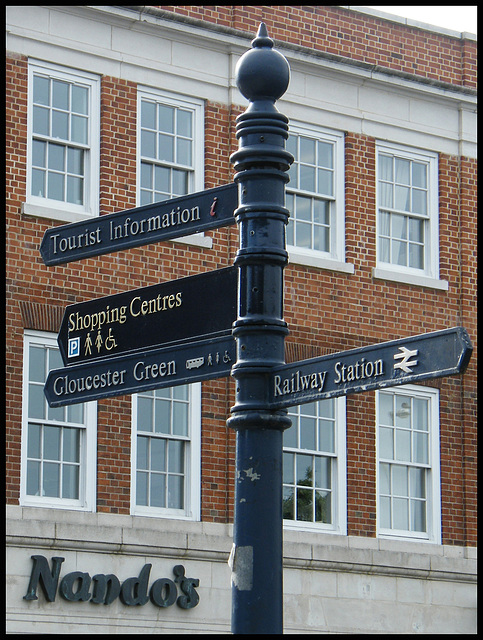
[(457, 18)]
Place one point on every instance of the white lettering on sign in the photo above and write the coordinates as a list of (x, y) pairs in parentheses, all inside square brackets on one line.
[(174, 218), (78, 241), (358, 371), (65, 385), (298, 382)]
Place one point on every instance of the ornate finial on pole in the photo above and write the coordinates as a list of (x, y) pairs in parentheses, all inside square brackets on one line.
[(261, 162), (262, 73)]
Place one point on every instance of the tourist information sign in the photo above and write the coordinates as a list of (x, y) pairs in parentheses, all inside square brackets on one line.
[(151, 223), (174, 311), (403, 361), (141, 371)]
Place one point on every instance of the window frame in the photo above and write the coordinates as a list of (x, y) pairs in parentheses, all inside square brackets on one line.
[(88, 462), (197, 106), (335, 258), (429, 275), (56, 209), (192, 498), (339, 477), (433, 486)]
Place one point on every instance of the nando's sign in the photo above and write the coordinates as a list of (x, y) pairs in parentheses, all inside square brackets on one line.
[(101, 588)]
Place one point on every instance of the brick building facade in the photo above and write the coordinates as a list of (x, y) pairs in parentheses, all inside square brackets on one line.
[(109, 108)]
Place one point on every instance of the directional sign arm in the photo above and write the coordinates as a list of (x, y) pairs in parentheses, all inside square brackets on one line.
[(166, 220), (403, 361)]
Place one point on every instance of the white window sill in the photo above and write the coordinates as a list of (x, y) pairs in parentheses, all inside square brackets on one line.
[(196, 239), (320, 262), (409, 278)]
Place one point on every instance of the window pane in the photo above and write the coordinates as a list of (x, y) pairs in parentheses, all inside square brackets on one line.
[(162, 421), (75, 161), (75, 190), (79, 129), (38, 183), (307, 433), (400, 513), (416, 256), (161, 179), (184, 123), (401, 197), (420, 414), (142, 453), (52, 443), (36, 364), (70, 481), (55, 189), (288, 472), (141, 488), (60, 95), (180, 419), (417, 482), (307, 178), (322, 472), (51, 480), (180, 392), (166, 148), (400, 481), (304, 470), (323, 506), (385, 505), (321, 212), (419, 175), (146, 175), (33, 441), (385, 168), (403, 411), (80, 99), (304, 209), (41, 90), (148, 115), (418, 515), (166, 118), (71, 445), (324, 184), (402, 171), (41, 121), (305, 507), (385, 249), (386, 191), (158, 490), (183, 152), (325, 151), (56, 157), (419, 204), (158, 454), (399, 226), (384, 478), (175, 492), (303, 234), (326, 436), (60, 125), (36, 401), (180, 182), (420, 444), (33, 478), (290, 434), (176, 456), (399, 252), (416, 230), (288, 503), (39, 149), (145, 414), (321, 239), (403, 445), (148, 144), (386, 443), (307, 150)]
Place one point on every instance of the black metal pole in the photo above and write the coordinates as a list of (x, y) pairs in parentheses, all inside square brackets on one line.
[(261, 162)]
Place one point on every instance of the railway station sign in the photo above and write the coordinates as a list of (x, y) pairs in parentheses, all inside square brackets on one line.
[(403, 361), (193, 213), (142, 371), (174, 311)]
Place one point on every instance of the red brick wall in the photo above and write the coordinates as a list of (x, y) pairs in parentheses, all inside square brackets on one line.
[(353, 35), (326, 311)]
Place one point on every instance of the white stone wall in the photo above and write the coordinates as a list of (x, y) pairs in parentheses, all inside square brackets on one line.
[(332, 583)]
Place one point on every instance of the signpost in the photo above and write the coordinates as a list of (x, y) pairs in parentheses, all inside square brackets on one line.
[(155, 222), (178, 310), (141, 371), (179, 332), (403, 361)]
